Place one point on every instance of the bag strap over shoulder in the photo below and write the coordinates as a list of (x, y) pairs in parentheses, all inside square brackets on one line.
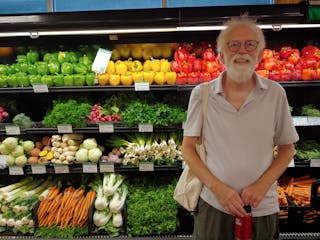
[(204, 104)]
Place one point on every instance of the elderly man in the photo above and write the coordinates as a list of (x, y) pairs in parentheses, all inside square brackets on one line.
[(246, 117)]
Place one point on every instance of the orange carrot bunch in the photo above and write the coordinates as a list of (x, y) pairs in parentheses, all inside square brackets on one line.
[(68, 208)]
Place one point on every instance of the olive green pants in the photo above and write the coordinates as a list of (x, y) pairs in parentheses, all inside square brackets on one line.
[(212, 224)]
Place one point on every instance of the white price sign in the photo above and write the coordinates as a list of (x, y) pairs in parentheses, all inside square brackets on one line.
[(314, 121), (12, 130), (300, 121), (60, 169), (315, 163), (40, 88), (101, 60), (106, 167), (142, 86), (38, 169), (106, 127), (64, 128), (15, 170), (89, 167), (146, 167), (291, 164), (145, 127)]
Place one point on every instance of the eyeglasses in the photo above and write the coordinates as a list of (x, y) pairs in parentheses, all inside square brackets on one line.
[(249, 45)]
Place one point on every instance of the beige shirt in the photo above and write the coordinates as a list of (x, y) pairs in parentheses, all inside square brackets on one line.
[(239, 144)]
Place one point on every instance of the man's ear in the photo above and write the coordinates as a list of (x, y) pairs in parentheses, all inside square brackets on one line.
[(221, 57)]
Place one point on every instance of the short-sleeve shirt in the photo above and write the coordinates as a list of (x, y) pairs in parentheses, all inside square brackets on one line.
[(239, 143)]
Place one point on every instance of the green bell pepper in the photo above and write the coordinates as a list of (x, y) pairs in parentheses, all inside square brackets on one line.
[(32, 69), (47, 79), (66, 68), (4, 69), (21, 67), (32, 56), (48, 57), (21, 58), (73, 57), (85, 60), (42, 68), (68, 80), (34, 79), (54, 67), (3, 80), (58, 80), (80, 68), (79, 79), (90, 79), (12, 80), (22, 79)]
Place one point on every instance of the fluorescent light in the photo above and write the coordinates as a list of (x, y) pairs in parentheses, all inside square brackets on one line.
[(35, 34)]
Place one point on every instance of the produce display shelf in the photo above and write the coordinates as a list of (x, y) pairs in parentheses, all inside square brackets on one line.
[(117, 129), (283, 236), (132, 88)]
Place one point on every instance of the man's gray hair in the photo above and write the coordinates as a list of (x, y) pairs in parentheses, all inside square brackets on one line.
[(234, 22)]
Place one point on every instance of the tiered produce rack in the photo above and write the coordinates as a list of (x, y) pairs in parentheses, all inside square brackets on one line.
[(175, 25)]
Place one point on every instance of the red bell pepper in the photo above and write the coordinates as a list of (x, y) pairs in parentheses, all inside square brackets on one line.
[(208, 55), (285, 52)]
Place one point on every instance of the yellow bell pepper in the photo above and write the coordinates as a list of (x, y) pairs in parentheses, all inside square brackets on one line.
[(136, 66), (121, 67), (155, 65), (170, 77), (114, 79), (137, 76), (164, 65), (159, 78), (103, 79), (148, 76), (147, 65), (111, 67), (126, 79)]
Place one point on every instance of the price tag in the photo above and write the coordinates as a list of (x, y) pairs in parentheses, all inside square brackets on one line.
[(106, 167), (315, 163), (65, 128), (291, 164), (106, 127), (38, 169), (15, 170), (314, 121), (300, 121), (40, 88), (3, 161), (101, 60), (146, 167), (89, 167), (61, 168), (145, 127), (12, 130), (142, 86)]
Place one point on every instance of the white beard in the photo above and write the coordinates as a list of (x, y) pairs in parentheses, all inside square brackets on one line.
[(240, 73)]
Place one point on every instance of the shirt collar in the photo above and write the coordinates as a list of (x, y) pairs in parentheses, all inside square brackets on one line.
[(260, 83)]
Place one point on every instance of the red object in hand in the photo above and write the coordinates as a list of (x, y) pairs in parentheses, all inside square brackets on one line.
[(243, 226)]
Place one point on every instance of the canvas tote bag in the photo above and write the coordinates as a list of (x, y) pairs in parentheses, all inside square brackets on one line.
[(189, 187)]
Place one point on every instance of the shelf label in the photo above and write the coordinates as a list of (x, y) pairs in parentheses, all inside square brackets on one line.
[(89, 167), (146, 167), (40, 88), (106, 127), (3, 161), (145, 127), (314, 121), (38, 169), (142, 86), (106, 167), (291, 164), (12, 130), (15, 170), (101, 60), (315, 162), (300, 121), (64, 128), (61, 168)]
